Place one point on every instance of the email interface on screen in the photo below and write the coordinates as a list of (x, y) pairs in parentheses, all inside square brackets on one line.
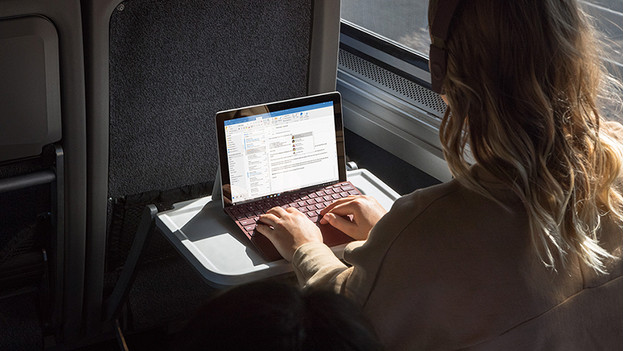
[(281, 151)]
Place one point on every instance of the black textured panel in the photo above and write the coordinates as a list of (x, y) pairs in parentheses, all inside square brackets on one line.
[(20, 325), (174, 64), (419, 95), (20, 210)]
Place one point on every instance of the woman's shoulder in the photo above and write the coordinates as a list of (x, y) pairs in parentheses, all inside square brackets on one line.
[(410, 206), (435, 203), (420, 199), (406, 208)]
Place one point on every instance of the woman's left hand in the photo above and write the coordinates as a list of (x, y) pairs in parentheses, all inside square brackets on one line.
[(288, 229)]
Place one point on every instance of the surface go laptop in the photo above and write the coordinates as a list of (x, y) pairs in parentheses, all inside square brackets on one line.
[(288, 153)]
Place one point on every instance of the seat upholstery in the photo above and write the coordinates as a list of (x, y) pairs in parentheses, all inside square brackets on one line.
[(43, 160), (157, 72)]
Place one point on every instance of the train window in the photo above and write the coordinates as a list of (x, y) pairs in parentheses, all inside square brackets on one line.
[(607, 16), (403, 22), (608, 19), (384, 79)]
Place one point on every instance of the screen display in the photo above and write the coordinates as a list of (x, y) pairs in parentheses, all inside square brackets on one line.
[(280, 151)]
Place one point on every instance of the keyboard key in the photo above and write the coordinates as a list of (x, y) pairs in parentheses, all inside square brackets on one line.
[(247, 221)]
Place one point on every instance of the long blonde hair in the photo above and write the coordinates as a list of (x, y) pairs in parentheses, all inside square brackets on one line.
[(523, 83)]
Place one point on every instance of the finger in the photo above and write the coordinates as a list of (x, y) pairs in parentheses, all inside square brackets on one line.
[(340, 223), (277, 211), (345, 209), (268, 219), (293, 210), (338, 202), (264, 229)]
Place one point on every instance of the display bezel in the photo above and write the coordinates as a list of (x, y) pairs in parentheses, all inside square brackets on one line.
[(249, 111)]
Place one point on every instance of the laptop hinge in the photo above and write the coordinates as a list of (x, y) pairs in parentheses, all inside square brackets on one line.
[(216, 188)]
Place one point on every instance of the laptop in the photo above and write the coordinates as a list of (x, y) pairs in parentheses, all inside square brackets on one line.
[(288, 153)]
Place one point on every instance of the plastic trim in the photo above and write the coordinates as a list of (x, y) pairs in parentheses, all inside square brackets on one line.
[(324, 46)]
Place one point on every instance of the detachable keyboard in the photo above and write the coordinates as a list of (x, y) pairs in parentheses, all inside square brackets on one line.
[(309, 202)]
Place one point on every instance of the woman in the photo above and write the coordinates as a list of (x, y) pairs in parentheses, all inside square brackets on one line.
[(522, 250)]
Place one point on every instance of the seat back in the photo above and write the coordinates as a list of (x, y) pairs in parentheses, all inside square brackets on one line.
[(157, 74), (42, 148)]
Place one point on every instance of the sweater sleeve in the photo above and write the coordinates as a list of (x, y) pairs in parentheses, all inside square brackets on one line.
[(316, 265)]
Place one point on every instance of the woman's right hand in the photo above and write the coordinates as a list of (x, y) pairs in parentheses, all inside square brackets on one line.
[(353, 215)]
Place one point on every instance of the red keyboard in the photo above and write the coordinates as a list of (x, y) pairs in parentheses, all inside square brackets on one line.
[(310, 202)]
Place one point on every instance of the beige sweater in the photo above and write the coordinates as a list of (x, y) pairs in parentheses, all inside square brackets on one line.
[(449, 269)]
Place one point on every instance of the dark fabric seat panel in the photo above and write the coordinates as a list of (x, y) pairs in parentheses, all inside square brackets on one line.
[(173, 65)]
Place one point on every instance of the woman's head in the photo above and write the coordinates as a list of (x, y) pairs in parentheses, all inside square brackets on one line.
[(522, 83)]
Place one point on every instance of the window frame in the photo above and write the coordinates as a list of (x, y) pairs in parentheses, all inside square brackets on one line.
[(383, 115)]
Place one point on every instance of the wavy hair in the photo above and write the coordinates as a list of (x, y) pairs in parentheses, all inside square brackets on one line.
[(523, 84)]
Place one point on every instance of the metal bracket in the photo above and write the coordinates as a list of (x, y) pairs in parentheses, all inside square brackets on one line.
[(115, 302)]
